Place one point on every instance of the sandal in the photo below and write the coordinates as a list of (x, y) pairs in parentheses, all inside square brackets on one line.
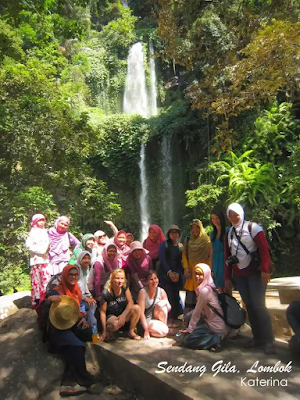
[(66, 391)]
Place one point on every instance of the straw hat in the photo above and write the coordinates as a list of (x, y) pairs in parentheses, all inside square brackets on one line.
[(64, 315)]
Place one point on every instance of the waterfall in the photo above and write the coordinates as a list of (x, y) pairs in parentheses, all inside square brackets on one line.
[(167, 204), (153, 91), (135, 97), (136, 102)]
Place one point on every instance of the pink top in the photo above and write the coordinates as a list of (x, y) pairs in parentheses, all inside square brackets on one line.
[(206, 295)]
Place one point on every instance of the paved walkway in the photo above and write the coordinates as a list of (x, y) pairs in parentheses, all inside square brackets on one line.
[(230, 374)]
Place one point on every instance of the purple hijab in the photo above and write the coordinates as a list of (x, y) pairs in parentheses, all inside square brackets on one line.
[(59, 242)]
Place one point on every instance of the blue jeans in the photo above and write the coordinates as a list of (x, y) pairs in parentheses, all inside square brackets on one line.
[(90, 314), (293, 316), (253, 294)]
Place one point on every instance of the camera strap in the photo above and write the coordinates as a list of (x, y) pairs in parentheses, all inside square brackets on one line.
[(240, 242), (238, 238)]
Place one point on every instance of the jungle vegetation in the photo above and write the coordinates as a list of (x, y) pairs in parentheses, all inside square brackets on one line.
[(228, 80)]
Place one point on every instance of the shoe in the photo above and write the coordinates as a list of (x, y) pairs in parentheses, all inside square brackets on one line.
[(270, 348), (66, 391), (216, 349), (95, 388), (252, 344)]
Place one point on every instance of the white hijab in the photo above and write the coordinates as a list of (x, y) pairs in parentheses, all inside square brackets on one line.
[(242, 230)]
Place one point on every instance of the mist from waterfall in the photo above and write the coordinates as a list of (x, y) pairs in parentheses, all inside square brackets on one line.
[(166, 171), (136, 102)]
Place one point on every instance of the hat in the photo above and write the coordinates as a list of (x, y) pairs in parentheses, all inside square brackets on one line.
[(63, 315), (175, 228), (136, 246)]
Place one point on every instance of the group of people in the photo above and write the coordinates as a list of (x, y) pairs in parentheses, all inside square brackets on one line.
[(136, 286)]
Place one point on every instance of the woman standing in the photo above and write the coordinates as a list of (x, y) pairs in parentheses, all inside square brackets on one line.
[(87, 244), (155, 306), (101, 239), (217, 238), (102, 267), (251, 275), (139, 264), (120, 242), (196, 249), (170, 273), (205, 328), (37, 243), (152, 244), (60, 242), (117, 307)]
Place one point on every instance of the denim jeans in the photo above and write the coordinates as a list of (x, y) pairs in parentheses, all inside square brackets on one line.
[(253, 294), (90, 314), (293, 316)]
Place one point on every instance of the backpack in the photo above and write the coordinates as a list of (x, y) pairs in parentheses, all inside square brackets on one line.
[(234, 315)]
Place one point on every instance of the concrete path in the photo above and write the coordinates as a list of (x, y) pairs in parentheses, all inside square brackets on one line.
[(230, 374)]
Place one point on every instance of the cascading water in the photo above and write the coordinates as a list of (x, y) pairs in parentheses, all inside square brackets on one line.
[(168, 206), (135, 96), (136, 102), (153, 90)]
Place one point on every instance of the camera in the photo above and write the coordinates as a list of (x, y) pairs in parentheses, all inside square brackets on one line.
[(231, 260)]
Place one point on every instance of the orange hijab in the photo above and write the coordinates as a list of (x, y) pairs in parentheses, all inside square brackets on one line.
[(64, 288)]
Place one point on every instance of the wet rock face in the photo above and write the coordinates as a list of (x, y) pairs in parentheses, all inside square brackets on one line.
[(13, 302)]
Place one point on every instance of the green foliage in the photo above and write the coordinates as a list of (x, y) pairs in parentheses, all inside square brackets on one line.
[(250, 181), (119, 141)]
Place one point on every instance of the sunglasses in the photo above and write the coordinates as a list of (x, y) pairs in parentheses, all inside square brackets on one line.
[(73, 275), (174, 231)]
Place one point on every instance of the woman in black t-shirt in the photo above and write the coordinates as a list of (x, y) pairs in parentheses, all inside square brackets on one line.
[(117, 307)]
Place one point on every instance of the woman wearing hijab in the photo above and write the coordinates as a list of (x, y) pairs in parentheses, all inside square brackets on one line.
[(205, 328), (196, 249), (102, 267), (170, 273), (129, 238), (120, 242), (217, 238), (251, 275), (101, 239), (68, 332), (139, 264), (83, 262), (60, 242), (87, 244), (152, 244), (37, 243)]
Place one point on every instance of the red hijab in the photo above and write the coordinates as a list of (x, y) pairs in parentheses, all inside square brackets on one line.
[(153, 245), (64, 288)]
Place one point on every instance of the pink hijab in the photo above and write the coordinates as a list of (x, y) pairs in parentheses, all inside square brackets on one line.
[(108, 264), (121, 248), (153, 246), (59, 241), (37, 233), (207, 281)]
